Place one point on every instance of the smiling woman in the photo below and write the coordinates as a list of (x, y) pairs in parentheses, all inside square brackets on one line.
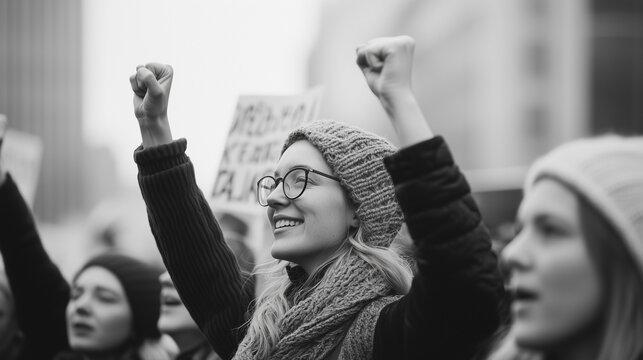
[(338, 199)]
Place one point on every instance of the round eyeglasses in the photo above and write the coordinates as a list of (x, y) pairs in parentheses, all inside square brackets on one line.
[(293, 184)]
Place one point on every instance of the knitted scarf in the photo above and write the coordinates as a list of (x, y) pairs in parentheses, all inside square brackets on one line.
[(312, 328)]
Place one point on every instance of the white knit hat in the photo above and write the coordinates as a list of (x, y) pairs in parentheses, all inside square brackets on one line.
[(608, 171)]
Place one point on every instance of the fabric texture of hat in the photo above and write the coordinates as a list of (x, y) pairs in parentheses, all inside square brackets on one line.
[(608, 171), (356, 157), (142, 288)]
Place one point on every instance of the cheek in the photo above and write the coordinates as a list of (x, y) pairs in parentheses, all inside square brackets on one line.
[(331, 220), (573, 292), (114, 321), (570, 299)]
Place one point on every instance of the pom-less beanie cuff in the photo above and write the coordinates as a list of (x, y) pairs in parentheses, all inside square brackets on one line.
[(357, 157), (608, 172)]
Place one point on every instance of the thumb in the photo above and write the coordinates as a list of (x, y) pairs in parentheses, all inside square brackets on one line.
[(375, 60)]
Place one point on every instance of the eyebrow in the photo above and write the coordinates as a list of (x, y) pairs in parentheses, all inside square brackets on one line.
[(276, 173), (555, 219)]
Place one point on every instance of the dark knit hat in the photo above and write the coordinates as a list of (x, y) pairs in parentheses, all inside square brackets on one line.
[(607, 171), (356, 157), (142, 288)]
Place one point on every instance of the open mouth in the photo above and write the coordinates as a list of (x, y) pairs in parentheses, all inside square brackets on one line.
[(81, 327), (284, 223), (521, 294)]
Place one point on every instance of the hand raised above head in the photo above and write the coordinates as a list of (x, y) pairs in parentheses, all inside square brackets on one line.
[(387, 63), (151, 85)]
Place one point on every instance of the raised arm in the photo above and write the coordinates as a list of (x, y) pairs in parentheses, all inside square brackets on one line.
[(202, 266), (40, 291), (386, 64), (453, 304)]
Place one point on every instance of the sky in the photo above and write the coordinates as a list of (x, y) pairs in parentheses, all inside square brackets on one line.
[(219, 50)]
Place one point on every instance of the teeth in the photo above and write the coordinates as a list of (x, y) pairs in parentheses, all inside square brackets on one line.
[(284, 223)]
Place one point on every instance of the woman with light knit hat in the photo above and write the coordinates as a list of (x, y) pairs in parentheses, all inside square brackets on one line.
[(335, 203), (108, 311), (576, 263)]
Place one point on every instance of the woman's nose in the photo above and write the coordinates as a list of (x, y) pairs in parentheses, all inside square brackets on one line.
[(277, 198), (81, 305), (516, 256)]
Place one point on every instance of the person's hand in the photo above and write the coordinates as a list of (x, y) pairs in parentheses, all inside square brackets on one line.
[(3, 131), (386, 63), (151, 85)]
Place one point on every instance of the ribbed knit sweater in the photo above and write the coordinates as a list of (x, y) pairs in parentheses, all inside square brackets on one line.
[(454, 301)]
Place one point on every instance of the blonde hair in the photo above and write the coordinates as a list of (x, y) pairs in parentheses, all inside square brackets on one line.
[(272, 304), (623, 314)]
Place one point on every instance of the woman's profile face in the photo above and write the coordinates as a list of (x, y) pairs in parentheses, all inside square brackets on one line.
[(309, 229), (99, 318), (556, 285), (174, 317)]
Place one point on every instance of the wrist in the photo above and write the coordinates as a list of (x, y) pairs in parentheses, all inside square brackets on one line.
[(396, 99), (155, 131)]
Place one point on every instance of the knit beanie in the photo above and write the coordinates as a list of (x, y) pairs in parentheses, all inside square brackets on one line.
[(142, 288), (608, 172), (356, 158)]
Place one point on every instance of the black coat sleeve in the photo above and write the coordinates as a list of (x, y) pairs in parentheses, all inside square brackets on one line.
[(40, 291), (202, 266), (453, 304)]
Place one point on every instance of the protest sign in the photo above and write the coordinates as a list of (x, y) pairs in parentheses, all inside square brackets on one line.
[(253, 145)]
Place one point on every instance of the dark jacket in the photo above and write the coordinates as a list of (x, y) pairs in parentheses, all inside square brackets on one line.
[(453, 303)]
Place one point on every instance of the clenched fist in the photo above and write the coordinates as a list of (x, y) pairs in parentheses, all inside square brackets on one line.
[(151, 85)]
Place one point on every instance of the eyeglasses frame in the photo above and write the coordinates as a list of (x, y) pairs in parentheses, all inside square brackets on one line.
[(281, 180)]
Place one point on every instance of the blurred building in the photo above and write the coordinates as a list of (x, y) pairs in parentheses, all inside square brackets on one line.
[(41, 94), (502, 80)]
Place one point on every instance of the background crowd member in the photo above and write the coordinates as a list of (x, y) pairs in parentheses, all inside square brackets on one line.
[(109, 310), (179, 325), (235, 233), (339, 291), (576, 263)]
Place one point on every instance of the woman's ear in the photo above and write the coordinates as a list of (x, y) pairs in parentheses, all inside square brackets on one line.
[(355, 221)]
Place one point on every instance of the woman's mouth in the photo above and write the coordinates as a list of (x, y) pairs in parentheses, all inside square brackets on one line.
[(522, 294), (81, 328), (284, 223), (169, 300)]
